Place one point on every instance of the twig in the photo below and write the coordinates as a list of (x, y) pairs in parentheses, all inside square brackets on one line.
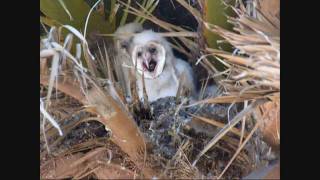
[(216, 123), (243, 124), (145, 95), (240, 148), (227, 128), (87, 19)]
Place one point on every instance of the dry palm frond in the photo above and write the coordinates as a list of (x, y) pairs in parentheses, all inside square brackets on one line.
[(66, 9), (79, 165), (50, 118), (166, 34), (228, 127), (257, 65), (253, 70), (84, 87), (239, 149), (149, 6), (258, 73), (216, 123)]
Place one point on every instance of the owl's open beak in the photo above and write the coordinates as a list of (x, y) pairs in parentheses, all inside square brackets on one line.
[(149, 64), (146, 62), (152, 65), (146, 59)]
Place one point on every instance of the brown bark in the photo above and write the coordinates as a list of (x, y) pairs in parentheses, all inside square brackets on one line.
[(269, 172), (270, 115)]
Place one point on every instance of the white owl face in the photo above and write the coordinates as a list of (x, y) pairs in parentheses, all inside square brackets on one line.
[(150, 58)]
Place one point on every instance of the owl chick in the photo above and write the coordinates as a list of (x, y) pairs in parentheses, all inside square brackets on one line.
[(163, 72), (123, 41)]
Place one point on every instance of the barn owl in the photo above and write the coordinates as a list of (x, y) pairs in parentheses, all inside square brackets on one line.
[(153, 58), (123, 41)]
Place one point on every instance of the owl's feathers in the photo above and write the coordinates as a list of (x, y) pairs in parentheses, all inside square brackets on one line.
[(162, 81)]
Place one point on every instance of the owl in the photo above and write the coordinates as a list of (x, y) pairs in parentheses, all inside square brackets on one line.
[(123, 42), (163, 73)]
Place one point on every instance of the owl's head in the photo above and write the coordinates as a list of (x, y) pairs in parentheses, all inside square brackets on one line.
[(124, 35), (149, 53)]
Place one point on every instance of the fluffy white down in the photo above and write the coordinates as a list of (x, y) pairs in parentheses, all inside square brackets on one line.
[(166, 84), (127, 29), (149, 35), (182, 66)]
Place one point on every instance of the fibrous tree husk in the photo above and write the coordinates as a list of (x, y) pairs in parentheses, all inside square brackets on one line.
[(254, 68), (106, 105)]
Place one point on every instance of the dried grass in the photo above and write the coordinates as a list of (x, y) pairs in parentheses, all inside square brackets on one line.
[(257, 68)]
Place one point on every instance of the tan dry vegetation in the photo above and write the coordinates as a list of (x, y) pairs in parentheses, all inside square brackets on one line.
[(251, 77)]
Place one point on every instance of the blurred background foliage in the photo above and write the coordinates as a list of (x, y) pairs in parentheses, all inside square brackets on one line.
[(110, 14)]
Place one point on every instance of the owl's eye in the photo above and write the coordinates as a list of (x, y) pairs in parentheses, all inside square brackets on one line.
[(139, 54), (152, 50), (137, 31), (124, 45)]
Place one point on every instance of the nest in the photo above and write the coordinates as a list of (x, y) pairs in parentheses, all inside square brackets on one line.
[(173, 137)]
